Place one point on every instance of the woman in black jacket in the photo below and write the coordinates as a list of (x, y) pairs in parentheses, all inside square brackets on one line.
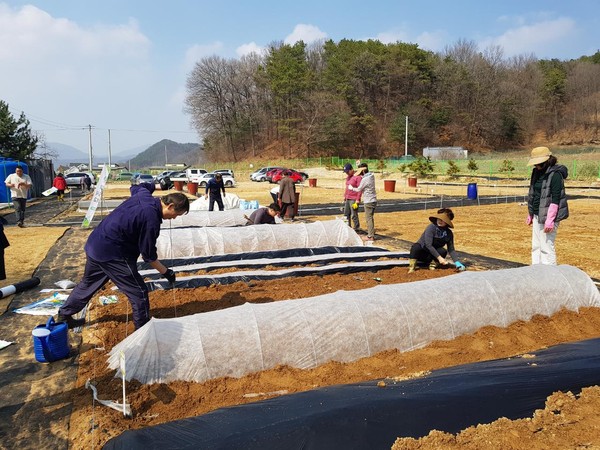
[(546, 204)]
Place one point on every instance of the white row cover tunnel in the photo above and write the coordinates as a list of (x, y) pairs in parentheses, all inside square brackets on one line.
[(345, 326), (228, 218), (208, 241)]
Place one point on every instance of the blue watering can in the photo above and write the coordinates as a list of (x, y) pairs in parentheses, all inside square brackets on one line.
[(51, 341)]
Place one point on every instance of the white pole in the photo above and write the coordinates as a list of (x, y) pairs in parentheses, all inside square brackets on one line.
[(90, 148), (109, 150), (406, 137)]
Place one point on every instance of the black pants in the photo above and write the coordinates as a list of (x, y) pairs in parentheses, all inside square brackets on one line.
[(2, 267), (121, 272), (284, 207), (422, 254), (211, 202)]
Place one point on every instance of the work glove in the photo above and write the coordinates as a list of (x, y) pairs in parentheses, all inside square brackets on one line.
[(459, 266), (355, 205), (170, 276), (552, 212), (529, 220)]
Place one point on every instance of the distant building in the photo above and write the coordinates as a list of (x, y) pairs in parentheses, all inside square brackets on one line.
[(445, 153)]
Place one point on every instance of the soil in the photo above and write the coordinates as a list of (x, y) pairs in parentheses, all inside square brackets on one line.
[(487, 237)]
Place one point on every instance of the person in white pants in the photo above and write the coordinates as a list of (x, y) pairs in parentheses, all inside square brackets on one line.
[(547, 204)]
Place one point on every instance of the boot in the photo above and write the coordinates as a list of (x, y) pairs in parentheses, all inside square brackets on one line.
[(412, 265), (71, 323), (433, 265)]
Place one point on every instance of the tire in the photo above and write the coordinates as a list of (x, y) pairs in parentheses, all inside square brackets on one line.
[(228, 184), (203, 184)]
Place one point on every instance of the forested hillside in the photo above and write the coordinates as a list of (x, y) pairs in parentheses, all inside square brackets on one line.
[(352, 98), (167, 151)]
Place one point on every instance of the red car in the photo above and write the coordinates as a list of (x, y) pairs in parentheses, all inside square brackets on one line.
[(298, 177)]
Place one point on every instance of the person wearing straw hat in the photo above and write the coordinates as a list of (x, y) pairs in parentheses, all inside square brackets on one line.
[(546, 204), (430, 246)]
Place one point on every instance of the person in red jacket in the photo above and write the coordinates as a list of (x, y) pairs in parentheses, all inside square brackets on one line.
[(60, 184)]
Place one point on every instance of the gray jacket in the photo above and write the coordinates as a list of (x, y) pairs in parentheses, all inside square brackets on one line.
[(367, 187), (546, 195)]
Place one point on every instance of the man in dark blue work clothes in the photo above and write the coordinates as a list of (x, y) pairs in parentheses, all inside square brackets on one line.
[(114, 247), (213, 191)]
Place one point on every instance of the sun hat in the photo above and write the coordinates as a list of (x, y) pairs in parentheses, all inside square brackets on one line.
[(347, 167), (443, 217), (539, 155)]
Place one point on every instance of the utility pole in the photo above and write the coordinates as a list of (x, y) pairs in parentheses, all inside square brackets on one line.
[(406, 137), (109, 150), (90, 149)]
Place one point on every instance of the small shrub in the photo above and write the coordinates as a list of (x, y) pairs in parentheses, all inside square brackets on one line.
[(453, 169), (472, 166), (507, 166), (422, 167), (587, 171)]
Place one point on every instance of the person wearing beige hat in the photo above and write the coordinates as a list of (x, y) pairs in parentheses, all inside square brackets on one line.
[(546, 204), (429, 249)]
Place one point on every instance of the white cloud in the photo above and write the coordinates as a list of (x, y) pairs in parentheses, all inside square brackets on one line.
[(541, 38), (199, 51), (432, 40), (305, 33), (246, 49)]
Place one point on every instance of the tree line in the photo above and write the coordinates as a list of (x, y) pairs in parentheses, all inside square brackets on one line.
[(351, 98)]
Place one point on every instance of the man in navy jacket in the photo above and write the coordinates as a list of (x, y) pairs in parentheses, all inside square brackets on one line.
[(114, 247)]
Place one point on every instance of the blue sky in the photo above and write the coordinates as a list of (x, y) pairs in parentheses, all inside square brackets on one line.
[(122, 64)]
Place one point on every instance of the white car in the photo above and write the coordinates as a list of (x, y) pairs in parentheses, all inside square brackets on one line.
[(228, 181), (261, 174)]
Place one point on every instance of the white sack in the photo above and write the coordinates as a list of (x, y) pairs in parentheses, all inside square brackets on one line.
[(346, 325), (227, 218), (230, 201), (191, 242)]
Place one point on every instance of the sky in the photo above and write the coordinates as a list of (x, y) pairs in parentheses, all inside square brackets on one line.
[(122, 65)]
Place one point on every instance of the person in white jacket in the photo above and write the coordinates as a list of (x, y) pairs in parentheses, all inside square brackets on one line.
[(369, 197)]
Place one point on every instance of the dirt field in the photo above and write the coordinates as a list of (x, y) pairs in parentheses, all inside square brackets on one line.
[(495, 231)]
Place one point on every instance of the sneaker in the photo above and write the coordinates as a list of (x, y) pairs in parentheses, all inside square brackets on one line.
[(71, 323)]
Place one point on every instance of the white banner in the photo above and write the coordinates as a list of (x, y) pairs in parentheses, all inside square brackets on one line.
[(89, 215)]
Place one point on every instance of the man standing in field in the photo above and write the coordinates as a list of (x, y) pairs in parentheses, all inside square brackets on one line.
[(287, 194), (19, 185), (114, 246)]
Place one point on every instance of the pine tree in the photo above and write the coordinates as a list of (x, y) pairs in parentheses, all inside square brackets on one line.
[(17, 141)]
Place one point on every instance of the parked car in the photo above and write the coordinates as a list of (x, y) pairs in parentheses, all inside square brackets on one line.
[(74, 179), (298, 177), (261, 174), (228, 181), (194, 174), (163, 174), (123, 176), (225, 172), (142, 178)]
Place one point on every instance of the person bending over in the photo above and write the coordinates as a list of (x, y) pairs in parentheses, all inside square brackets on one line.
[(430, 246), (114, 246), (264, 215)]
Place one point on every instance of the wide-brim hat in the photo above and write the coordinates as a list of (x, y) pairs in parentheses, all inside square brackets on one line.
[(443, 217), (539, 155)]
